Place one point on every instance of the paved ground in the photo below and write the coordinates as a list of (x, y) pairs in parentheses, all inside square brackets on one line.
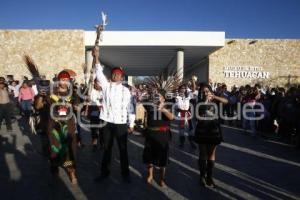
[(247, 168)]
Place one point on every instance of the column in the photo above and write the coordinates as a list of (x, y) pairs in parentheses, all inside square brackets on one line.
[(180, 63), (130, 80), (88, 59), (88, 62)]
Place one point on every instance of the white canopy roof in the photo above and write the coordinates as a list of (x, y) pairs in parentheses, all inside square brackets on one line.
[(149, 52)]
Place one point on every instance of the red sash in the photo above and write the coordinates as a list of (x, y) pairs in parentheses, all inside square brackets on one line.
[(183, 114)]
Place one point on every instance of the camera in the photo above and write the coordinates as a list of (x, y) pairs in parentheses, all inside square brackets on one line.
[(43, 86)]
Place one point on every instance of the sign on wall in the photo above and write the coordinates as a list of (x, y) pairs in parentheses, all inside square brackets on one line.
[(247, 72)]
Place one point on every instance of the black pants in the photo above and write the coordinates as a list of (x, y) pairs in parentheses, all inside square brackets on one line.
[(78, 130), (5, 113), (95, 131), (118, 131)]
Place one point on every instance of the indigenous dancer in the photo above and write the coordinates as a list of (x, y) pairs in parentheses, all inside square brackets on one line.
[(117, 110), (184, 115), (61, 127), (94, 112), (208, 132), (157, 124), (157, 135)]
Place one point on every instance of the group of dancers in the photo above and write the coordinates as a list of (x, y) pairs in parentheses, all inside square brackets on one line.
[(115, 113)]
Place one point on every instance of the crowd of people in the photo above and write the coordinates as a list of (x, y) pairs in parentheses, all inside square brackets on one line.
[(280, 109), (276, 108), (115, 110)]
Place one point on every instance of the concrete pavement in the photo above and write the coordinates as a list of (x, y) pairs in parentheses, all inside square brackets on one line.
[(246, 168)]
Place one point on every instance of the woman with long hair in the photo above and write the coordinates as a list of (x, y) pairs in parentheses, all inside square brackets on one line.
[(208, 132), (157, 136)]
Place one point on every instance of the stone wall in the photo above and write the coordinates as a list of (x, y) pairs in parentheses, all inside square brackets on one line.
[(52, 51), (280, 58)]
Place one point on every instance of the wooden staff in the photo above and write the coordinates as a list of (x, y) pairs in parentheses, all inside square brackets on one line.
[(99, 29)]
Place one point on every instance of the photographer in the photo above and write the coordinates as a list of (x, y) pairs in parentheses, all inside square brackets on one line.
[(42, 107)]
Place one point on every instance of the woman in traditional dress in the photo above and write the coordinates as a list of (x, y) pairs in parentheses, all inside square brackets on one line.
[(208, 132), (157, 136), (157, 123), (183, 102)]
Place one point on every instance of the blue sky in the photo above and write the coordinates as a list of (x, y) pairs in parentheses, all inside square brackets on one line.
[(238, 18)]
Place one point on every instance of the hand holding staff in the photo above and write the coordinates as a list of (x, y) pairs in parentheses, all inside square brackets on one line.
[(96, 51), (194, 80)]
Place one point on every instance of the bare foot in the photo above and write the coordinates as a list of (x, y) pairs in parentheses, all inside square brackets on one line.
[(162, 183), (73, 178), (150, 180), (80, 145), (74, 181)]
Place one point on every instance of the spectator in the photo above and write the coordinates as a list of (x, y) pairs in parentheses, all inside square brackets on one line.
[(26, 98), (4, 106), (14, 89)]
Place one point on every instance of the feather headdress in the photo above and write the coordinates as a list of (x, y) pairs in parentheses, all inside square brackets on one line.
[(164, 86), (31, 66)]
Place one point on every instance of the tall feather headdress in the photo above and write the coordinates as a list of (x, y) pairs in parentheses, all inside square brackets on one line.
[(34, 71), (162, 85), (31, 66)]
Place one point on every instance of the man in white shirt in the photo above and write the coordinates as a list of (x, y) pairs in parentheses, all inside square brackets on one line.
[(117, 110)]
